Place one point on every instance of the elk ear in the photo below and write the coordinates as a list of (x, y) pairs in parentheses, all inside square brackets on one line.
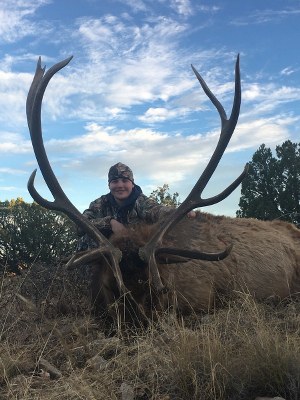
[(171, 259)]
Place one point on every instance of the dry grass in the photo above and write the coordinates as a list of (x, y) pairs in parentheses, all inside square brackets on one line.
[(240, 352)]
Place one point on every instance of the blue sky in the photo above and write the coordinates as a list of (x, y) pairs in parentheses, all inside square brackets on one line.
[(129, 93)]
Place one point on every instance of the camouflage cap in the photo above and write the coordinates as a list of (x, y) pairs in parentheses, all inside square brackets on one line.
[(120, 170)]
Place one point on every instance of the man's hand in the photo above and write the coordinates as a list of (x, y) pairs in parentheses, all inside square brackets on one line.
[(192, 214), (117, 227)]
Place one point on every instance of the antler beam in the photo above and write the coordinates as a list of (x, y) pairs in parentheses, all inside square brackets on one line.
[(194, 199), (61, 201)]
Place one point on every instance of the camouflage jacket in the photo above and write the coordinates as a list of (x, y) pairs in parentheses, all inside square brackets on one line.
[(102, 210)]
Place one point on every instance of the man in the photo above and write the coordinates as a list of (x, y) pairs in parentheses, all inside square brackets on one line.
[(125, 204)]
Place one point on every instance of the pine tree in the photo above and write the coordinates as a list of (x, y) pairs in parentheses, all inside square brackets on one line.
[(271, 190)]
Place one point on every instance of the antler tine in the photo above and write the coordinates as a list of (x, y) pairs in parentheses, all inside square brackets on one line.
[(33, 109), (61, 201), (195, 255), (194, 200), (227, 127)]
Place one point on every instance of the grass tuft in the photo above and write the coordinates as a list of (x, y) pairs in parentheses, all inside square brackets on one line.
[(52, 348)]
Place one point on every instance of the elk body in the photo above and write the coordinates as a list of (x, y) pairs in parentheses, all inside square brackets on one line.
[(264, 262), (153, 267)]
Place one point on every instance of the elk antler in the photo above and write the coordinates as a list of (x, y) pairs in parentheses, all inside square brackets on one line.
[(153, 247), (61, 201)]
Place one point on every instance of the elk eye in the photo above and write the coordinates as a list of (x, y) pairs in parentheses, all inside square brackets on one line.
[(140, 281)]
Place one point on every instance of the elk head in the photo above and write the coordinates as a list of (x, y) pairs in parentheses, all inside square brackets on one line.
[(153, 249)]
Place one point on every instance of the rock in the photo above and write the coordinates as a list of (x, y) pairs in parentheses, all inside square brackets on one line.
[(96, 362), (127, 391), (53, 371)]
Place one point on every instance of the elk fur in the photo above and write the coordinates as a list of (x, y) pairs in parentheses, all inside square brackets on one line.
[(264, 262)]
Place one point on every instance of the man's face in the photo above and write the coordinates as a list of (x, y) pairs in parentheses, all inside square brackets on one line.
[(120, 188)]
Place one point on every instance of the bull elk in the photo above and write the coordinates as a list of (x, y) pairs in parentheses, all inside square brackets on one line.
[(155, 265)]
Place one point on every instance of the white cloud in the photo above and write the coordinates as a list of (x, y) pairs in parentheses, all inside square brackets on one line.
[(135, 5), (183, 7), (265, 16), (7, 188), (160, 114), (13, 88), (126, 64), (270, 131), (15, 18), (14, 143), (99, 140), (267, 98), (157, 154), (12, 171), (288, 71)]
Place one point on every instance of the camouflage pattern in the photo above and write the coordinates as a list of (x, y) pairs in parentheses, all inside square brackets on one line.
[(120, 170), (101, 212)]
